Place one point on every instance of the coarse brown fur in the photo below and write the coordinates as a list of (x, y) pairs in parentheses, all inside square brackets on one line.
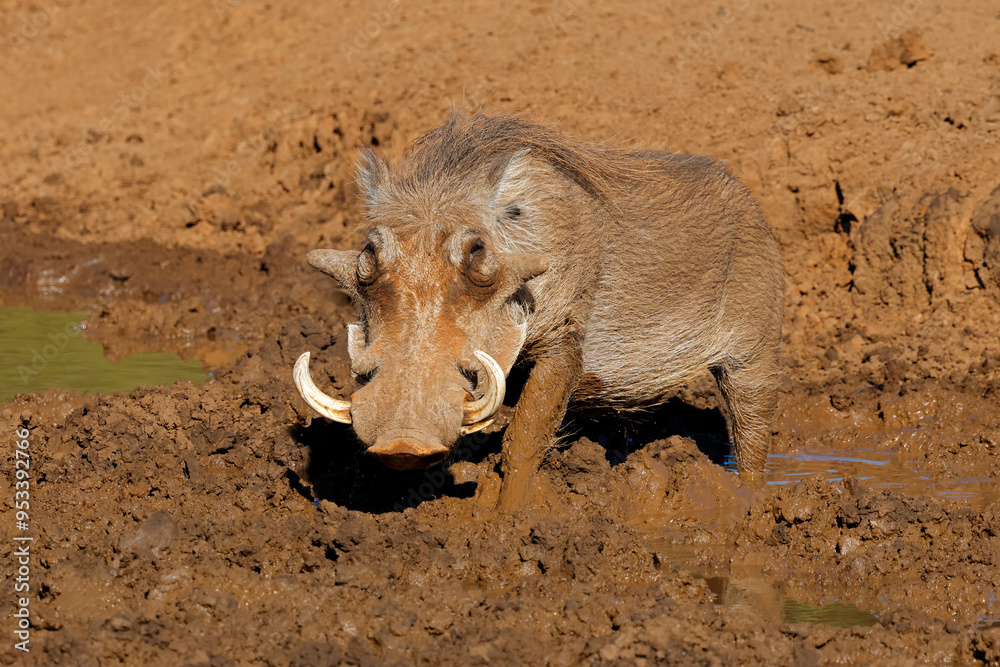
[(659, 266)]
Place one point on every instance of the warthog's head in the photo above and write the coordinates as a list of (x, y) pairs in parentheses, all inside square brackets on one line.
[(443, 317)]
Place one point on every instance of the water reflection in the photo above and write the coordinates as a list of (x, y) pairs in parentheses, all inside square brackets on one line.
[(758, 596), (41, 350), (878, 470)]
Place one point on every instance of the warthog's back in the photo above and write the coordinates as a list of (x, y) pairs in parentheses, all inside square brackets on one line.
[(688, 274)]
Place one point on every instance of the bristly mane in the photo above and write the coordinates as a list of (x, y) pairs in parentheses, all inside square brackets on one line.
[(471, 147)]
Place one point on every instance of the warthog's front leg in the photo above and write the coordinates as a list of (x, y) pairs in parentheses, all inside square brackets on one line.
[(539, 413)]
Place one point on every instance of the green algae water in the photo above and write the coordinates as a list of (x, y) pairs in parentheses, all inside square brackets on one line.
[(836, 614), (763, 598), (40, 350)]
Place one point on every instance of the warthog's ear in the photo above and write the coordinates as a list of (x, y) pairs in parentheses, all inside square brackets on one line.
[(338, 264), (372, 173), (512, 184)]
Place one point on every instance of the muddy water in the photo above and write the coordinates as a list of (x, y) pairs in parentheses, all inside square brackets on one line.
[(879, 470), (41, 349)]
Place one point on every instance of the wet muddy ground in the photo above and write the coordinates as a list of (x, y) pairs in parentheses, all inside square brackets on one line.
[(164, 172)]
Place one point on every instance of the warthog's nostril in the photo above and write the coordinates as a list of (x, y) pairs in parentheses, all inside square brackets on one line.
[(408, 453)]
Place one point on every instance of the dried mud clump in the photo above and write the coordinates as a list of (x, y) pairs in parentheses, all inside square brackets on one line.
[(906, 50)]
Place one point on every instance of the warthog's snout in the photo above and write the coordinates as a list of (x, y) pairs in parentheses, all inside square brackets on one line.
[(403, 432), (408, 453)]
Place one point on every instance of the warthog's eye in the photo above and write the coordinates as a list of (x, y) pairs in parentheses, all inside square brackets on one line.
[(367, 265), (482, 264)]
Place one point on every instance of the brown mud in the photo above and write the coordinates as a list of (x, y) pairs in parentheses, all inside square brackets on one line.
[(167, 166)]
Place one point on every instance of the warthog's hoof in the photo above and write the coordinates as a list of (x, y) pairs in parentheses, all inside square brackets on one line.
[(408, 453)]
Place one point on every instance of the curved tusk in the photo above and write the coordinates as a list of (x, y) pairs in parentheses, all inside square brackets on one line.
[(336, 409), (479, 414), (472, 428)]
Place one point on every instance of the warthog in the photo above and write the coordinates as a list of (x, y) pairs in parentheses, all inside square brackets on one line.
[(617, 275)]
